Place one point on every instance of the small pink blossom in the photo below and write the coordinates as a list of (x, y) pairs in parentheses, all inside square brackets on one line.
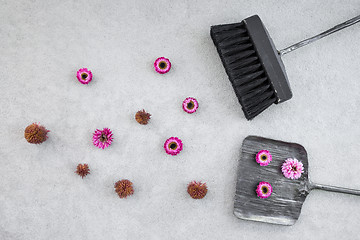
[(162, 65), (292, 168), (190, 105), (264, 190), (263, 157), (102, 138), (173, 146), (84, 75)]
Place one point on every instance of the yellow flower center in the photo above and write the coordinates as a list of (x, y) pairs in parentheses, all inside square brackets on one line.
[(263, 157), (173, 145), (190, 105), (162, 65), (264, 189), (84, 76), (103, 138)]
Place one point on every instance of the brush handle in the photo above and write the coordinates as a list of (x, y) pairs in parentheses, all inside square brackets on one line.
[(319, 36), (334, 189)]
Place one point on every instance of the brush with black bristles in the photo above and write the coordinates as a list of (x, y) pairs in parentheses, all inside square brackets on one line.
[(253, 64)]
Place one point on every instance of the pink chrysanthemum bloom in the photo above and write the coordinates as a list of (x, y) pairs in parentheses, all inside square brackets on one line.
[(264, 190), (190, 105), (162, 65), (173, 146), (263, 157), (292, 168), (84, 75), (102, 138)]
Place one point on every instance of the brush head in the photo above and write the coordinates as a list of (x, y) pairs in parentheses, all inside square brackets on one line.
[(253, 65)]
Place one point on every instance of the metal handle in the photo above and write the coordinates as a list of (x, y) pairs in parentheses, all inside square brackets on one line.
[(321, 35), (334, 189)]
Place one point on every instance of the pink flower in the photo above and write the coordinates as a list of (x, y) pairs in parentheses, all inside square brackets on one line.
[(264, 190), (84, 76), (102, 138), (292, 168), (190, 105), (162, 65), (263, 157), (173, 146)]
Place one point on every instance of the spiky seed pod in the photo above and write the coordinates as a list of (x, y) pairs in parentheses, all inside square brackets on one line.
[(124, 188), (82, 170), (142, 117), (197, 190), (35, 133)]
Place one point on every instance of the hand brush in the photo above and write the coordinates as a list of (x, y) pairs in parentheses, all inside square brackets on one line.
[(253, 64)]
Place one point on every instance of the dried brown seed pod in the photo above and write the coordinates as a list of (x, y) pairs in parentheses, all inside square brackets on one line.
[(197, 190), (142, 117), (82, 170), (35, 133), (124, 188)]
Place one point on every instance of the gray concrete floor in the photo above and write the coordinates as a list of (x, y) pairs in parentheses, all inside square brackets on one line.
[(44, 43)]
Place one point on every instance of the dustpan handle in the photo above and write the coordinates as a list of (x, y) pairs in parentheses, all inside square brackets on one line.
[(321, 35), (334, 189)]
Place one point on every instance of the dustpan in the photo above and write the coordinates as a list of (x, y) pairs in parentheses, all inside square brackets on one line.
[(285, 203)]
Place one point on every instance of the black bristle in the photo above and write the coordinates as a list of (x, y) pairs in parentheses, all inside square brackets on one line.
[(254, 93), (243, 66), (228, 43), (232, 34), (237, 56), (246, 78), (243, 89), (254, 100), (236, 48), (244, 70), (254, 111)]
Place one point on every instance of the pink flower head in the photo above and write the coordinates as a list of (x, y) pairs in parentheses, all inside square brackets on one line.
[(84, 76), (102, 138), (292, 168), (162, 65), (190, 105), (264, 190), (263, 157), (173, 146)]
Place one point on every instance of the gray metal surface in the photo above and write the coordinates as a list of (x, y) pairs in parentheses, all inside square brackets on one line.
[(305, 42), (285, 203)]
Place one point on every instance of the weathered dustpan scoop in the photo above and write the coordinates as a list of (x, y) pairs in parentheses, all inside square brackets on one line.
[(285, 203)]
